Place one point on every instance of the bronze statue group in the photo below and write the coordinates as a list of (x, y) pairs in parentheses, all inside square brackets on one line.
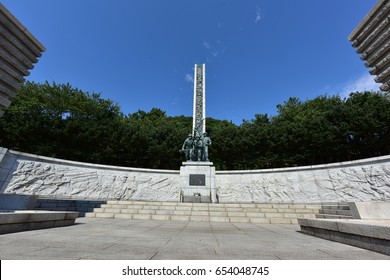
[(197, 149)]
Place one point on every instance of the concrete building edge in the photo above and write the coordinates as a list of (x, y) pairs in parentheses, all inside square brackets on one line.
[(365, 20), (15, 21)]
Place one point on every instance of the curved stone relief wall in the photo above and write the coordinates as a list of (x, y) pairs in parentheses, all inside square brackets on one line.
[(363, 180), (29, 174)]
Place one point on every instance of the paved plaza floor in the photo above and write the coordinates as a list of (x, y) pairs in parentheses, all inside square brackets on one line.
[(122, 239)]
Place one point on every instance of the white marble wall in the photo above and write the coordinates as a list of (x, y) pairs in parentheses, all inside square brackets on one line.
[(29, 174), (364, 180)]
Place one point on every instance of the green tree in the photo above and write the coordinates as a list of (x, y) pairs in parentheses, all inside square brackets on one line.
[(61, 121), (58, 120), (368, 129), (224, 152), (255, 143), (153, 139)]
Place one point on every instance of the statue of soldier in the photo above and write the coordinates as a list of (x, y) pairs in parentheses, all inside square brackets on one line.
[(206, 143), (187, 147), (198, 148)]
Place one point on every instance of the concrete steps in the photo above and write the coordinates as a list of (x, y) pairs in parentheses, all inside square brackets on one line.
[(367, 225), (206, 212), (338, 211), (81, 206)]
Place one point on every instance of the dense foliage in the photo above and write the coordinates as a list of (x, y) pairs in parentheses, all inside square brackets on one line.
[(65, 122)]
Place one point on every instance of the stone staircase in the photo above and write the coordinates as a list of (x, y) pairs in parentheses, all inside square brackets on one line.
[(206, 212), (337, 211), (81, 206)]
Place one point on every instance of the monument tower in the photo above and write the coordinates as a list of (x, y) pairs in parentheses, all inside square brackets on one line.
[(198, 173), (199, 113)]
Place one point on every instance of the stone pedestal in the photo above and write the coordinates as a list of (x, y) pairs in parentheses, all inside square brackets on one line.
[(198, 182)]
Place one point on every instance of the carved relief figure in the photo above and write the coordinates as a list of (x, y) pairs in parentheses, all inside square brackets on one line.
[(69, 181)]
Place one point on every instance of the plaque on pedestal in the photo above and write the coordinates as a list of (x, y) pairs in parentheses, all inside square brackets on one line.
[(198, 181)]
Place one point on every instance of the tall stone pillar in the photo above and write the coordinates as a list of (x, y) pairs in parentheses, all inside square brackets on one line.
[(198, 177), (199, 112)]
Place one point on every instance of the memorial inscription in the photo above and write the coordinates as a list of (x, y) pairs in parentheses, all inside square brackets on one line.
[(197, 180)]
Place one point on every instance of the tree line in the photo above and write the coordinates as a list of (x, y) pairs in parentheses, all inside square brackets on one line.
[(58, 120)]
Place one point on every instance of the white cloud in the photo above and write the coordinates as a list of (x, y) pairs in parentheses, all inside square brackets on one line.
[(189, 78), (364, 83), (258, 14), (214, 49), (174, 102)]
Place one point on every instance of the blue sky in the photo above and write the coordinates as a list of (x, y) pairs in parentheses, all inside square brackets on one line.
[(141, 53)]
